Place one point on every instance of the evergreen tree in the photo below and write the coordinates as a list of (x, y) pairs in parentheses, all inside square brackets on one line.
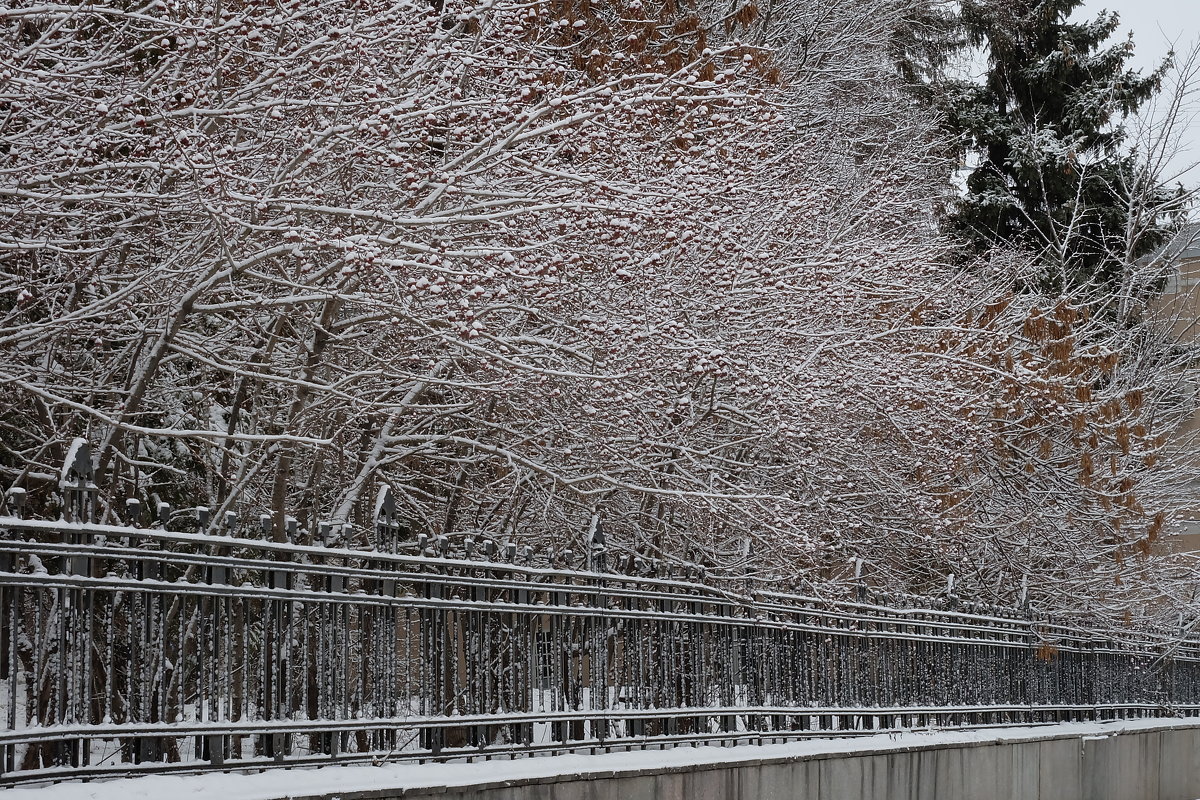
[(1046, 126), (922, 44)]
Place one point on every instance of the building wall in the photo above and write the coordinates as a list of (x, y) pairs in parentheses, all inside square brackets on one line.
[(1182, 302)]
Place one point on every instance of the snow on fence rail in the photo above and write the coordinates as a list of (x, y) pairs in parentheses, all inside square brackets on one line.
[(129, 649)]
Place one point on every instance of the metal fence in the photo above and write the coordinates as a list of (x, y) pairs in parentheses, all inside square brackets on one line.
[(129, 649)]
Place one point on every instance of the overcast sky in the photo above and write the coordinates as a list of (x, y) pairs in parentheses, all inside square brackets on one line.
[(1158, 25)]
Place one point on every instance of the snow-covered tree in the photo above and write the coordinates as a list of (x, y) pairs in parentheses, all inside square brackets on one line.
[(669, 267)]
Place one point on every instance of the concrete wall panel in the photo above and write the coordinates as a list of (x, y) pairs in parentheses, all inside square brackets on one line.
[(1161, 764)]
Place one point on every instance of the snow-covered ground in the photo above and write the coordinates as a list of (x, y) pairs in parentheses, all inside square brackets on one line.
[(280, 784)]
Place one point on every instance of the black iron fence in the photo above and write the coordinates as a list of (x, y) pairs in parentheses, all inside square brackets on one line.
[(128, 649)]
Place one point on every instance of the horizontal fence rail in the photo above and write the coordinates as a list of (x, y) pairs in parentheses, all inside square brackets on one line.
[(130, 649)]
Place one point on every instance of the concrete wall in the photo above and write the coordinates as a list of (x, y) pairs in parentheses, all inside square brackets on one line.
[(1159, 764)]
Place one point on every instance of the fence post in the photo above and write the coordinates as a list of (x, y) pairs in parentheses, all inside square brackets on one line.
[(79, 506)]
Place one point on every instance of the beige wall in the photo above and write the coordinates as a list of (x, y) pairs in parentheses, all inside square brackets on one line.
[(1182, 300)]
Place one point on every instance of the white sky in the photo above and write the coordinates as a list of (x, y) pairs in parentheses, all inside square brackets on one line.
[(1157, 26)]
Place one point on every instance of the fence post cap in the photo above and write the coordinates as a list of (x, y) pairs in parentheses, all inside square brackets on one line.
[(385, 505), (77, 466), (15, 500)]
